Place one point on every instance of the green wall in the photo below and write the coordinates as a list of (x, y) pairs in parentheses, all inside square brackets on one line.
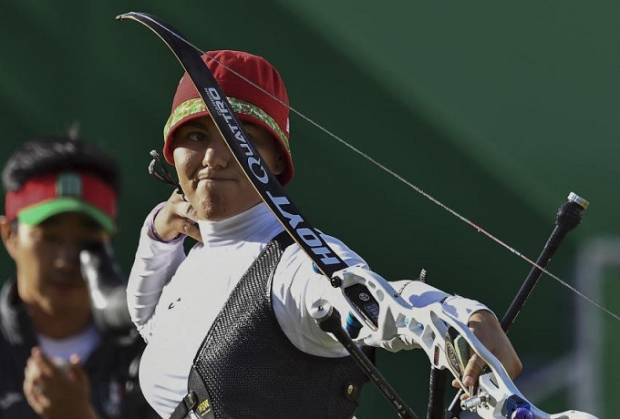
[(497, 111), (528, 90)]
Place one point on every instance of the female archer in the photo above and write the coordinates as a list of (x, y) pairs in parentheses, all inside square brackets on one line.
[(231, 320)]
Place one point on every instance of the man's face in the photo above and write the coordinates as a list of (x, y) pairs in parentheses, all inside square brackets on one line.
[(47, 260), (211, 179)]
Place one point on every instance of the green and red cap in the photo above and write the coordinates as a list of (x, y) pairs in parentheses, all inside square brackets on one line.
[(42, 197), (266, 105)]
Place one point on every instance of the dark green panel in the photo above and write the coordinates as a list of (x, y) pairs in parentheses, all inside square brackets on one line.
[(529, 90)]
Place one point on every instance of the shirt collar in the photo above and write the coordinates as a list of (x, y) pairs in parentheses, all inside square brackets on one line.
[(251, 225)]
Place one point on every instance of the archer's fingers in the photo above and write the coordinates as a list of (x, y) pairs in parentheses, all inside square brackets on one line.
[(191, 229), (190, 226), (185, 210), (472, 370), (455, 384), (176, 196)]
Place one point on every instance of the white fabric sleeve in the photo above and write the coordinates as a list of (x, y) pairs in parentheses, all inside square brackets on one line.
[(296, 286), (155, 263)]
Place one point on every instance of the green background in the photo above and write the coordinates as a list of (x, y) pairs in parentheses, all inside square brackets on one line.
[(497, 109)]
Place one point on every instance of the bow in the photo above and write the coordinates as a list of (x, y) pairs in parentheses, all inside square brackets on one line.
[(383, 313)]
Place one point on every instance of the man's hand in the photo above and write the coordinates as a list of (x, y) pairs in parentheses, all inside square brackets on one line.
[(175, 218), (488, 330), (57, 392)]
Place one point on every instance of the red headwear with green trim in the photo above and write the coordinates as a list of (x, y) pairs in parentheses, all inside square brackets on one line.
[(249, 103), (42, 197)]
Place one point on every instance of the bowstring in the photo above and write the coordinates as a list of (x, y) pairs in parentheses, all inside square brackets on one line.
[(411, 185)]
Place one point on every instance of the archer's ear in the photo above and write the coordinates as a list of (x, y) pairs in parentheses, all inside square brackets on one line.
[(9, 236)]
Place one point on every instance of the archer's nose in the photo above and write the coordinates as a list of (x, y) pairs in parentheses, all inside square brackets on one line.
[(217, 155)]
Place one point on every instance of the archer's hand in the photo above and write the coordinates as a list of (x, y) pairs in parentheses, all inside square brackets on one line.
[(55, 392), (489, 331), (175, 218)]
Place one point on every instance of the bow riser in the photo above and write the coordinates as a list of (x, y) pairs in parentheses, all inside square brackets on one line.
[(434, 329)]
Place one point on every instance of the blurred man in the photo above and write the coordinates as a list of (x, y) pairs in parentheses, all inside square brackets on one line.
[(56, 362)]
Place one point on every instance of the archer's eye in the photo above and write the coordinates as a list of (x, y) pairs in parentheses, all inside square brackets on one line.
[(196, 136)]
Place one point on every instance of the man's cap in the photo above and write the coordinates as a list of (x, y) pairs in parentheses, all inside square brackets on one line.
[(44, 196), (266, 105)]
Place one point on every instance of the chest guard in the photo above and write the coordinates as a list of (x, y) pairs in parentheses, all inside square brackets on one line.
[(247, 368)]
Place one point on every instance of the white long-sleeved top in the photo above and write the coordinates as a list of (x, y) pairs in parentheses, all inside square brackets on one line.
[(174, 299)]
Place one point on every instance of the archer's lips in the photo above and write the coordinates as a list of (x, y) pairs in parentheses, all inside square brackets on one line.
[(214, 179)]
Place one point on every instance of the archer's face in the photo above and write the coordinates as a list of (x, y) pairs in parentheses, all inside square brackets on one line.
[(211, 179)]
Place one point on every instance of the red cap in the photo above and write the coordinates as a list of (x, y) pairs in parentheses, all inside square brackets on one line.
[(249, 103)]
